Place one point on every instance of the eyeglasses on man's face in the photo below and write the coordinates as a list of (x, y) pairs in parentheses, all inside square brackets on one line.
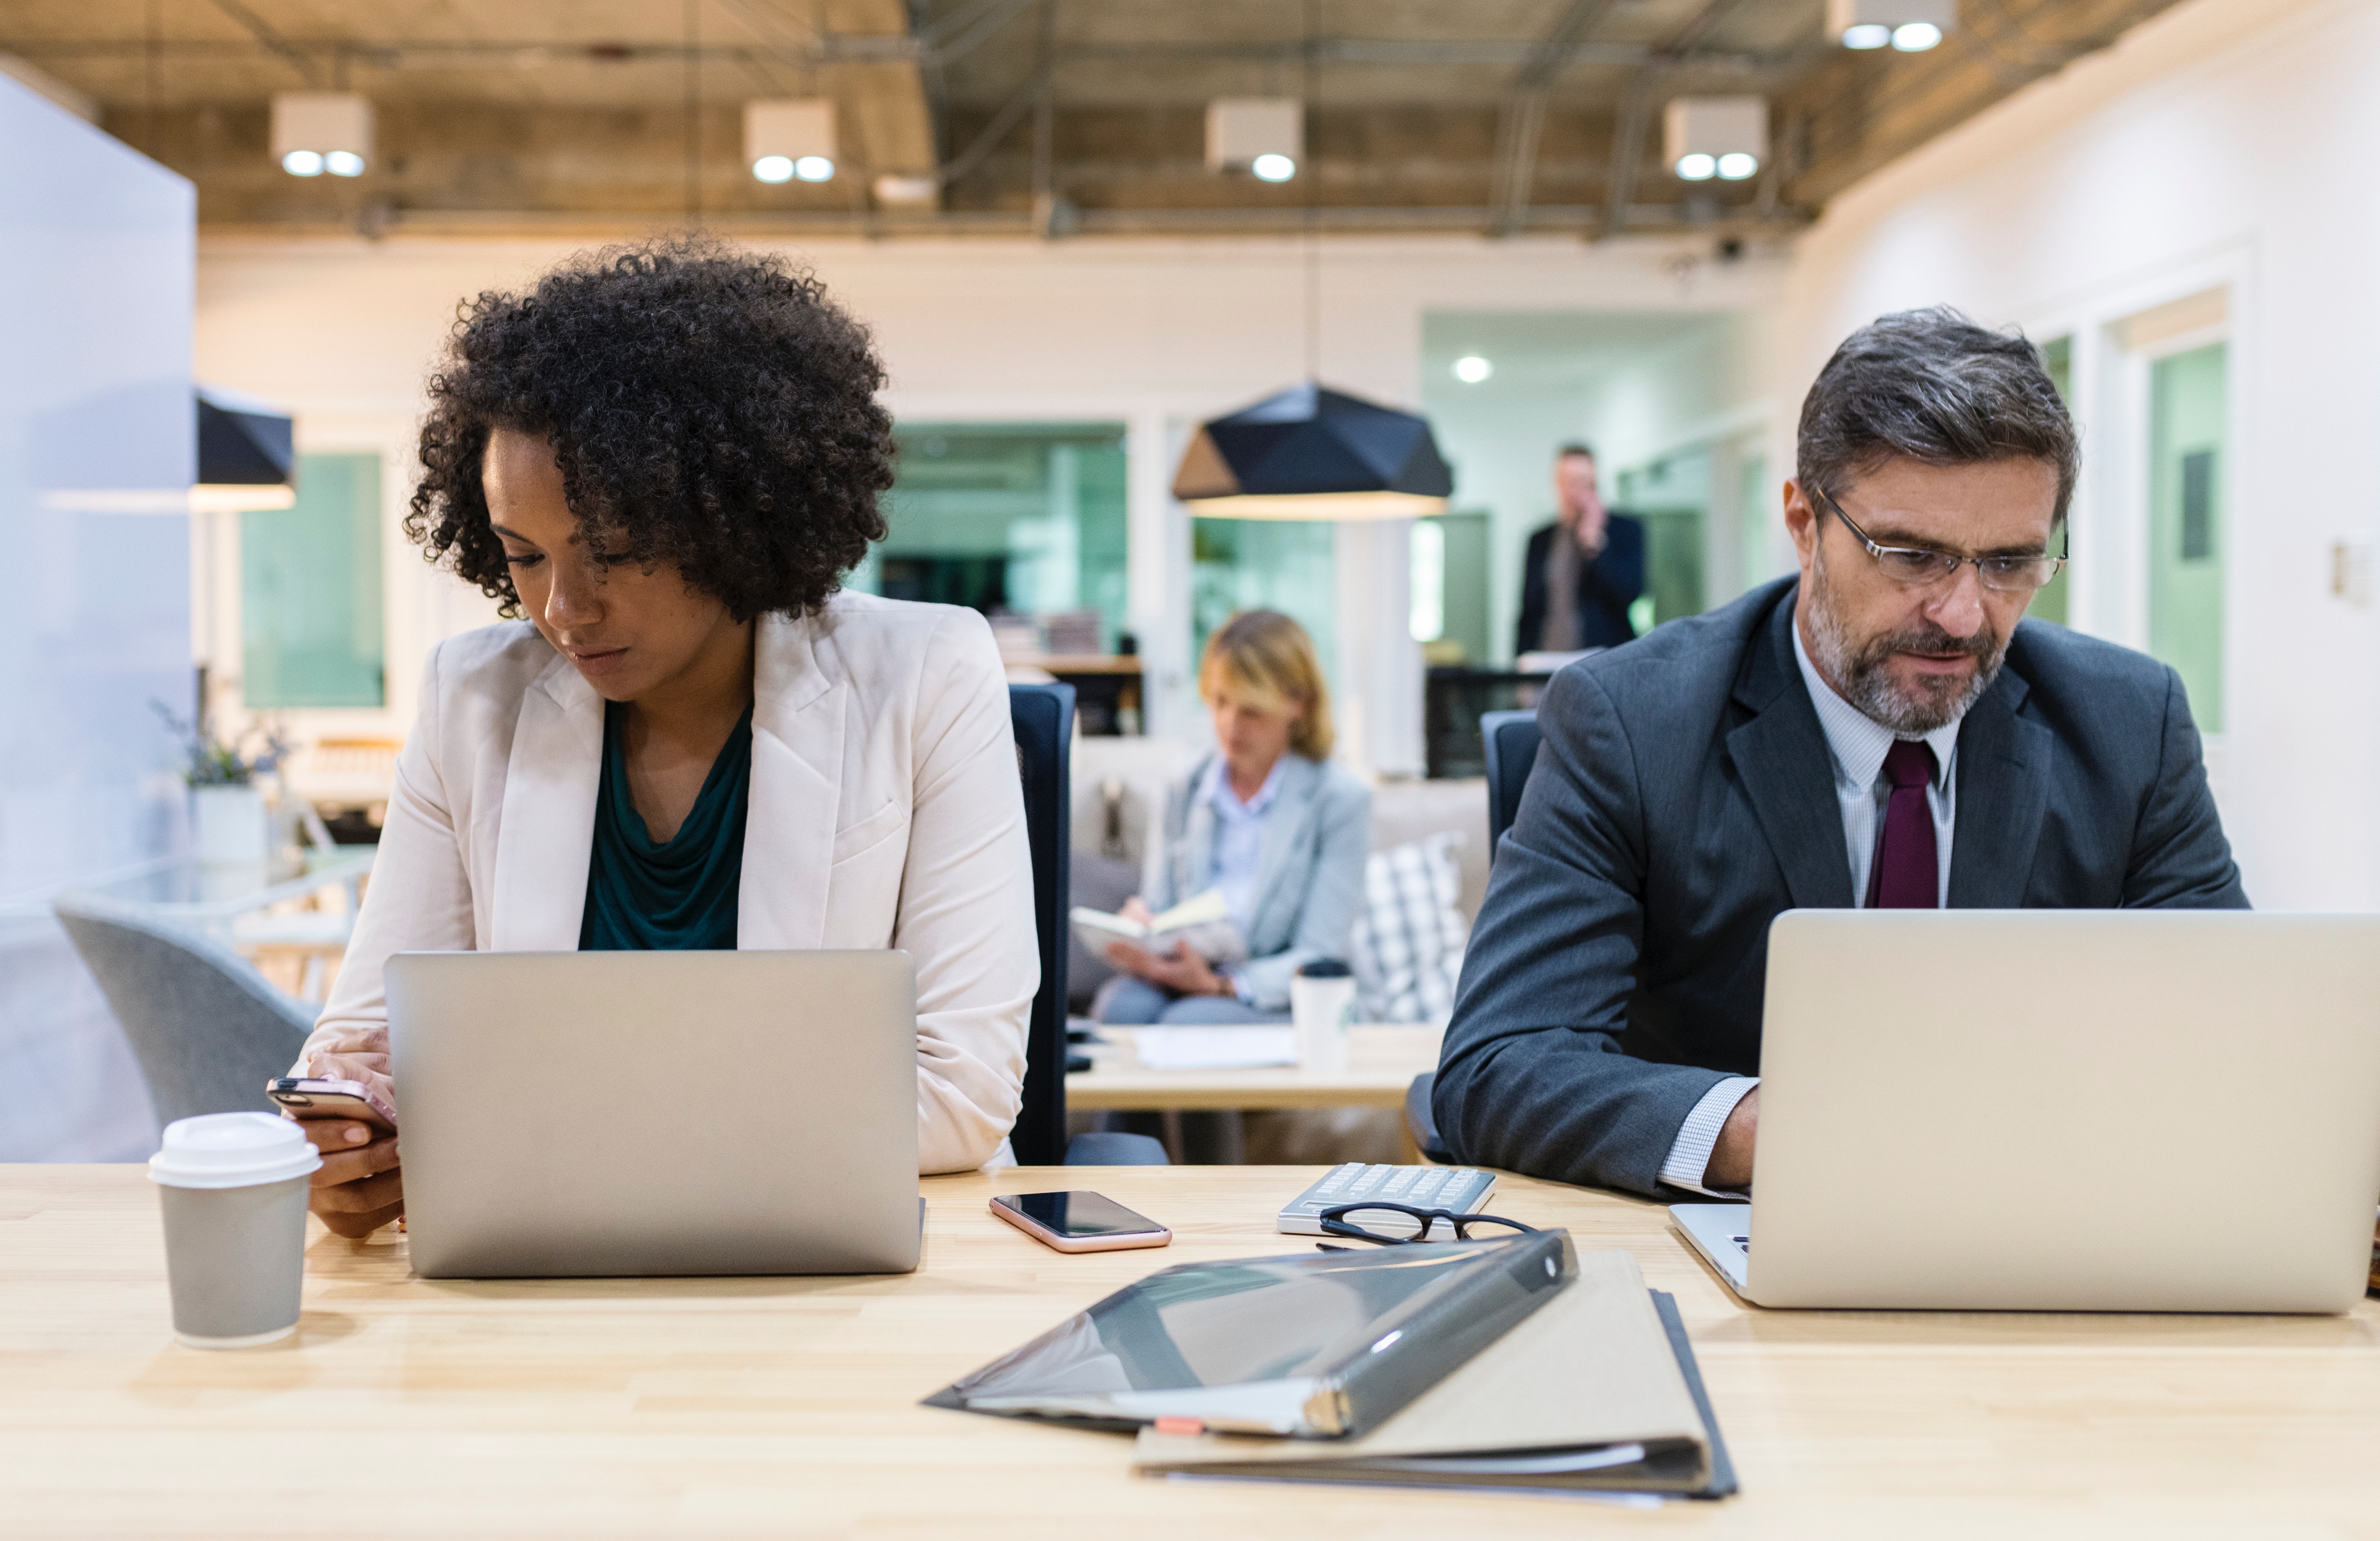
[(1386, 1223), (1919, 567)]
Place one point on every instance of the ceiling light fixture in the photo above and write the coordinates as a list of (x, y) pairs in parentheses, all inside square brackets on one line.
[(1471, 369), (1704, 136), (1261, 135), (790, 140), (1911, 25), (315, 131), (246, 455), (1312, 453)]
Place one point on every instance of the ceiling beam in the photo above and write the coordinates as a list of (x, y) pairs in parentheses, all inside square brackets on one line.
[(1522, 115), (272, 42)]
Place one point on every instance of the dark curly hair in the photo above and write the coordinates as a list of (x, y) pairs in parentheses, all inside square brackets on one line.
[(711, 409)]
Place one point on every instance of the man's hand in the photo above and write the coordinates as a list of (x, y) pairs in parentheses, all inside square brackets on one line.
[(1594, 527), (1181, 971), (360, 1187), (1731, 1160)]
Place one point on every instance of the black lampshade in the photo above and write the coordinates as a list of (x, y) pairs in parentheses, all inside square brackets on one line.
[(242, 442), (1310, 453)]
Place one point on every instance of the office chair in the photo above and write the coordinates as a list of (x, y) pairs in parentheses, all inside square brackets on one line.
[(1043, 718), (206, 1027), (1510, 739)]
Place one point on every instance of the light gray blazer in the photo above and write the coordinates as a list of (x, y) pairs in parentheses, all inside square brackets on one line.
[(1309, 872)]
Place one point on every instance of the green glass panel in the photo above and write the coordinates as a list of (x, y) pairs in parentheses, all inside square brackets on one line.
[(1469, 552), (1285, 565), (1025, 517), (310, 591), (2057, 356), (2186, 523)]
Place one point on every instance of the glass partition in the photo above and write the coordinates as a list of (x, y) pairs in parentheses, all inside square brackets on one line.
[(1023, 520), (1264, 565), (2186, 519), (310, 591), (2058, 354), (1670, 497)]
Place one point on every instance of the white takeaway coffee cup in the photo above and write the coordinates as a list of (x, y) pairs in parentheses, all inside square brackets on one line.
[(1321, 1005), (232, 1189)]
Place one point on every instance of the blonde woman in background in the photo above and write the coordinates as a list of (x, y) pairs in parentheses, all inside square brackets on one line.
[(1265, 817)]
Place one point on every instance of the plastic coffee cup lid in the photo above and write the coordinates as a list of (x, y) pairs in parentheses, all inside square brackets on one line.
[(232, 1150)]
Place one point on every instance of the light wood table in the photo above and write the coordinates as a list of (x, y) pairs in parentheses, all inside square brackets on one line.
[(1381, 1062), (788, 1407)]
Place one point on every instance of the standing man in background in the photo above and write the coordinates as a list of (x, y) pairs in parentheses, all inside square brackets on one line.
[(1584, 570)]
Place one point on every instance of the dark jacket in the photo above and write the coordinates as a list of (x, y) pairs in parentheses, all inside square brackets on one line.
[(1683, 798), (1606, 587)]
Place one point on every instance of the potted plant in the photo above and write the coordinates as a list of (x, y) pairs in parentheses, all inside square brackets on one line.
[(228, 822)]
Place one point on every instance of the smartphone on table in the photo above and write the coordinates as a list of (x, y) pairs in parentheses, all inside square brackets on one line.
[(306, 1099), (1079, 1221)]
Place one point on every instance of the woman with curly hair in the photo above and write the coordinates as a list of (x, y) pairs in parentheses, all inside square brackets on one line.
[(662, 459)]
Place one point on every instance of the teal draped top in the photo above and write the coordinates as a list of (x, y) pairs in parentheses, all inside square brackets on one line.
[(679, 894)]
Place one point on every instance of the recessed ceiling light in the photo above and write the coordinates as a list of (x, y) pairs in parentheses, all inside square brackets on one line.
[(1471, 369), (1916, 37), (773, 168), (1739, 166), (814, 168), (1867, 34), (303, 163), (1696, 167), (343, 163), (1273, 168)]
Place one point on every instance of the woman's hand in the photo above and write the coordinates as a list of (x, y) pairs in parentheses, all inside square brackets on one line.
[(1181, 971), (360, 1188), (1133, 909)]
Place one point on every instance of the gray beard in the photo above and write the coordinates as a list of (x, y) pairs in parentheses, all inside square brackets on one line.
[(1859, 672)]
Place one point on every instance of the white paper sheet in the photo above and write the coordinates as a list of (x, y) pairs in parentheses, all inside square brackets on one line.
[(1215, 1048)]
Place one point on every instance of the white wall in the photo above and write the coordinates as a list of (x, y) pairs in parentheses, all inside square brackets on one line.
[(1158, 335), (2225, 144), (97, 432)]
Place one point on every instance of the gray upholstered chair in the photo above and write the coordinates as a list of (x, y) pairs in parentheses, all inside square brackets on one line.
[(208, 1029)]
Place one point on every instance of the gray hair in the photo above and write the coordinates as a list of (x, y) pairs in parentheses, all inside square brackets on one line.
[(1934, 386)]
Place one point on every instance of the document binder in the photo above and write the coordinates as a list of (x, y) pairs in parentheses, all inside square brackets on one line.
[(1598, 1390)]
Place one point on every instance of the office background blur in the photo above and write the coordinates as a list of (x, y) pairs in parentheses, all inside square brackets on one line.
[(1481, 226)]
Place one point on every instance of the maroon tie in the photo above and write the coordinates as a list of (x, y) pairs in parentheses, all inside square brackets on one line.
[(1904, 875)]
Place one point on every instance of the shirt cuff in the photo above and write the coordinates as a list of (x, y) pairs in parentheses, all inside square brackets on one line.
[(1239, 983), (1690, 1157)]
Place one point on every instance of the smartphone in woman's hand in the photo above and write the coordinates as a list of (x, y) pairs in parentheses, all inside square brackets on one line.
[(306, 1099)]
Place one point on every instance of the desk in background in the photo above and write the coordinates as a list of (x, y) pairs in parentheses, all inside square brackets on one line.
[(1381, 1062), (788, 1407)]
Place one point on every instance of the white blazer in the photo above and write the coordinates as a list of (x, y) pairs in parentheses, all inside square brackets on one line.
[(885, 812)]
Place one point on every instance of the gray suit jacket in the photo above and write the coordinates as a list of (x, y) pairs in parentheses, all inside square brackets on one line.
[(1309, 870), (1683, 798)]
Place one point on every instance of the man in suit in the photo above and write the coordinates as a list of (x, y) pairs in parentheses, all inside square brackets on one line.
[(1883, 729), (1584, 570)]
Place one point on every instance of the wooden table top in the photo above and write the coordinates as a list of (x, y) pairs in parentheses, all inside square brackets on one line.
[(1381, 1062), (788, 1407)]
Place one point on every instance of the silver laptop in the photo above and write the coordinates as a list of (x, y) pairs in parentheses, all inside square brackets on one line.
[(2062, 1110), (604, 1114)]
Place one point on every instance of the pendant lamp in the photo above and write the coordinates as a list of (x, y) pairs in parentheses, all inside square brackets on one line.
[(1311, 453), (246, 455)]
